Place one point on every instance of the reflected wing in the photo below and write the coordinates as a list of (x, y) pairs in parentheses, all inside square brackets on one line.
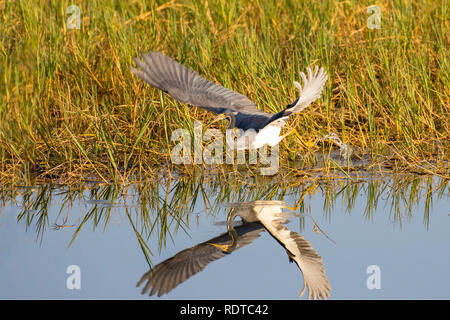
[(170, 273), (309, 262), (188, 86), (299, 250)]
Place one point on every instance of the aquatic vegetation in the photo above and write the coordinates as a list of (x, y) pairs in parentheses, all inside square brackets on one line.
[(158, 210), (155, 216)]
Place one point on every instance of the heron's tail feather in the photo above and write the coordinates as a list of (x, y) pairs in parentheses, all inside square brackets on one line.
[(312, 89)]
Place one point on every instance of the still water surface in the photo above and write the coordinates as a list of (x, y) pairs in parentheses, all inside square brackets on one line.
[(371, 239)]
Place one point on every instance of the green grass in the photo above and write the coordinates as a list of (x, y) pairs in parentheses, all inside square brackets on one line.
[(70, 108)]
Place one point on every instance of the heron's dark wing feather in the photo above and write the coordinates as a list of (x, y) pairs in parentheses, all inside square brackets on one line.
[(188, 86), (170, 273)]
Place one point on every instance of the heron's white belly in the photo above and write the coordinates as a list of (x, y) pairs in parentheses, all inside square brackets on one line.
[(250, 139), (269, 135)]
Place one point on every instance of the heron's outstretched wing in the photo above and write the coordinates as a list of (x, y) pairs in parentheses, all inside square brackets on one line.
[(188, 86), (299, 250), (170, 273), (311, 90), (310, 263)]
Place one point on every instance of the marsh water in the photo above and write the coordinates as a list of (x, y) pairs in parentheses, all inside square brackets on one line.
[(365, 238)]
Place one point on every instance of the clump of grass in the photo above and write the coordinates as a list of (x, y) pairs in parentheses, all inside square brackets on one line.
[(71, 109)]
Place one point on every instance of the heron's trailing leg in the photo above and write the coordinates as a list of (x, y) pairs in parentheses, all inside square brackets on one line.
[(308, 145), (287, 147)]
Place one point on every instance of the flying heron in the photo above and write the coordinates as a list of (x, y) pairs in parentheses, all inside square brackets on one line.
[(256, 216), (257, 128), (167, 275)]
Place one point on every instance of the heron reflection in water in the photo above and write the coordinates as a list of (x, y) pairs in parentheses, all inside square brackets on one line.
[(256, 216), (260, 127)]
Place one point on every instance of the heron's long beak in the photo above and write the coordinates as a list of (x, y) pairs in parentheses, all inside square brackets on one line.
[(228, 248), (218, 118)]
